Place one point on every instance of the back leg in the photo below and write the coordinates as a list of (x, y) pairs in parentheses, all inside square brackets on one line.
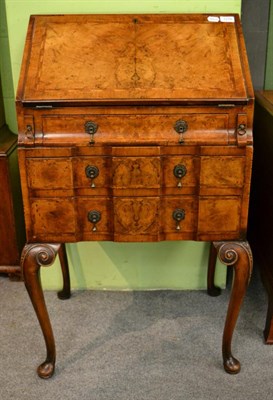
[(211, 288), (65, 293)]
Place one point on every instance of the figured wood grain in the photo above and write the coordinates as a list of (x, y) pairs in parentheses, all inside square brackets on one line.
[(145, 128), (219, 214), (53, 173), (51, 215), (136, 216), (222, 171), (221, 181), (136, 172), (128, 65)]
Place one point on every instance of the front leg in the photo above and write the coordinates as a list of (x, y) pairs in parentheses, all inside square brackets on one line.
[(33, 257), (238, 255)]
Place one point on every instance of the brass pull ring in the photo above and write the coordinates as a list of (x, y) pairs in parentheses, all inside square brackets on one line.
[(179, 172), (91, 128), (91, 172), (181, 127), (178, 215), (94, 217)]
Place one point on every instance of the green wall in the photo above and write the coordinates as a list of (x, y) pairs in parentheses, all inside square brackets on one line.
[(105, 265), (269, 61), (5, 70)]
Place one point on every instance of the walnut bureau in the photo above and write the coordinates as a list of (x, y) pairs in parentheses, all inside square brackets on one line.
[(135, 128)]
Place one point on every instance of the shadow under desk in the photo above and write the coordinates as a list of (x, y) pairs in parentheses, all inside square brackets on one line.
[(260, 229)]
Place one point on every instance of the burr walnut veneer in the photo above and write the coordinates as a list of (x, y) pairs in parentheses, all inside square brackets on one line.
[(135, 128)]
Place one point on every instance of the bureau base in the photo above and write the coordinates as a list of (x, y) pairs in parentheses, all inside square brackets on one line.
[(235, 254)]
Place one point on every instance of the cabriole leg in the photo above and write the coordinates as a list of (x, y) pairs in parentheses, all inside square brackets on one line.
[(239, 256), (65, 293), (33, 257)]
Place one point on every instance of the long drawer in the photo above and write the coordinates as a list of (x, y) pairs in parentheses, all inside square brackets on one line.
[(187, 126)]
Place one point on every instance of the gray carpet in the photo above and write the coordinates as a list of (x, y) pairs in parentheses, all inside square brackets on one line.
[(162, 345)]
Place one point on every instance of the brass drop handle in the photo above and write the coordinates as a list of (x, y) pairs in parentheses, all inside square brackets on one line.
[(178, 215), (179, 172), (29, 132), (181, 127), (91, 128), (91, 172), (242, 129), (94, 217)]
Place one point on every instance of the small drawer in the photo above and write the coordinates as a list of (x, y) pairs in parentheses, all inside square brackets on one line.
[(219, 215), (52, 217), (179, 215), (92, 173), (180, 173), (94, 216), (222, 171), (51, 173), (136, 217), (136, 173)]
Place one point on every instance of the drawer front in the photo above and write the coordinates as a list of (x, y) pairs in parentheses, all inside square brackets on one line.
[(136, 218), (92, 175), (219, 215), (52, 173), (137, 129), (179, 217), (136, 173), (94, 218), (180, 174), (52, 219), (222, 171)]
